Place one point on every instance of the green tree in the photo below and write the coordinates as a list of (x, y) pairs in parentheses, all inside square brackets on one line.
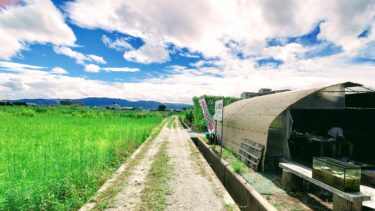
[(162, 107), (199, 123)]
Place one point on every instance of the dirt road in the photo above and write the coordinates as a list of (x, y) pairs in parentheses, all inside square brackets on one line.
[(195, 186), (190, 184)]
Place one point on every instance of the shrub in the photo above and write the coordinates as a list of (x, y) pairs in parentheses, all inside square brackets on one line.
[(26, 112), (199, 123), (187, 117)]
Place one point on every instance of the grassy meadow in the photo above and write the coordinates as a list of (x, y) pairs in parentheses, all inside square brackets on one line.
[(55, 158)]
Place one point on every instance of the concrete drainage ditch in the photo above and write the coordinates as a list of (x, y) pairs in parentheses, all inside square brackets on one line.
[(246, 197)]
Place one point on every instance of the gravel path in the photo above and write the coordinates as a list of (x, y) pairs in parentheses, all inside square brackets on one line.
[(130, 197), (193, 186)]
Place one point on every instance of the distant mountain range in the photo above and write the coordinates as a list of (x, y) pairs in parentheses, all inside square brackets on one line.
[(102, 101)]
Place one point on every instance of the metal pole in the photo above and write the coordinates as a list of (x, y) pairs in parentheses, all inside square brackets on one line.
[(215, 137), (222, 129)]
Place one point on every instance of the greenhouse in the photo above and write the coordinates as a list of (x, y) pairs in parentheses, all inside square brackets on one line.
[(333, 121)]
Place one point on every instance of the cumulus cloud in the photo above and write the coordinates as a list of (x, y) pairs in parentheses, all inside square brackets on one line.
[(119, 44), (183, 83), (36, 21), (92, 68), (6, 3), (82, 59), (121, 69), (79, 57), (347, 20), (247, 22), (148, 54), (15, 84), (96, 59), (18, 67), (59, 71), (230, 35)]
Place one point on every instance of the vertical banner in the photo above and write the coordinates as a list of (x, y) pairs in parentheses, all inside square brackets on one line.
[(219, 110), (206, 115)]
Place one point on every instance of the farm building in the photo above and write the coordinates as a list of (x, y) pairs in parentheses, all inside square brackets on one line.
[(298, 125), (4, 102), (261, 92), (70, 102)]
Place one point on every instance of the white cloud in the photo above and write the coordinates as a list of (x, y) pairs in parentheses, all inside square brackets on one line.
[(59, 71), (247, 22), (79, 57), (288, 53), (236, 77), (16, 84), (148, 54), (95, 69), (36, 21), (82, 59), (119, 44), (218, 29), (18, 67), (96, 59), (222, 29), (347, 20), (121, 69), (92, 68), (39, 70), (6, 3), (9, 45)]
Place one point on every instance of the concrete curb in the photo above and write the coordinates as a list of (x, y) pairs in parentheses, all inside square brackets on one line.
[(241, 191)]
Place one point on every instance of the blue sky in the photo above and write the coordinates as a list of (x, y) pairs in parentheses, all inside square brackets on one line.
[(127, 49), (90, 42)]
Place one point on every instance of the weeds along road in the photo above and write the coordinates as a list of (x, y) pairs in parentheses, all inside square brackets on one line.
[(167, 173)]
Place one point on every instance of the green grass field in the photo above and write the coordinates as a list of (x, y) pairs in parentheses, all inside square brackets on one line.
[(55, 158)]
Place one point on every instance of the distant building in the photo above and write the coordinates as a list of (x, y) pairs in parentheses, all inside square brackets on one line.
[(4, 103), (18, 103), (70, 102), (114, 106), (127, 108), (261, 92), (245, 95)]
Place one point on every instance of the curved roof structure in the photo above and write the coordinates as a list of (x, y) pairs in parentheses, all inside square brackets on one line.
[(251, 118)]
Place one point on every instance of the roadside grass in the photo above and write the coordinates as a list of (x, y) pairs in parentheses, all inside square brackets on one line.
[(170, 122), (156, 185), (105, 198), (198, 161), (228, 153), (230, 207), (55, 158), (237, 166), (235, 162)]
